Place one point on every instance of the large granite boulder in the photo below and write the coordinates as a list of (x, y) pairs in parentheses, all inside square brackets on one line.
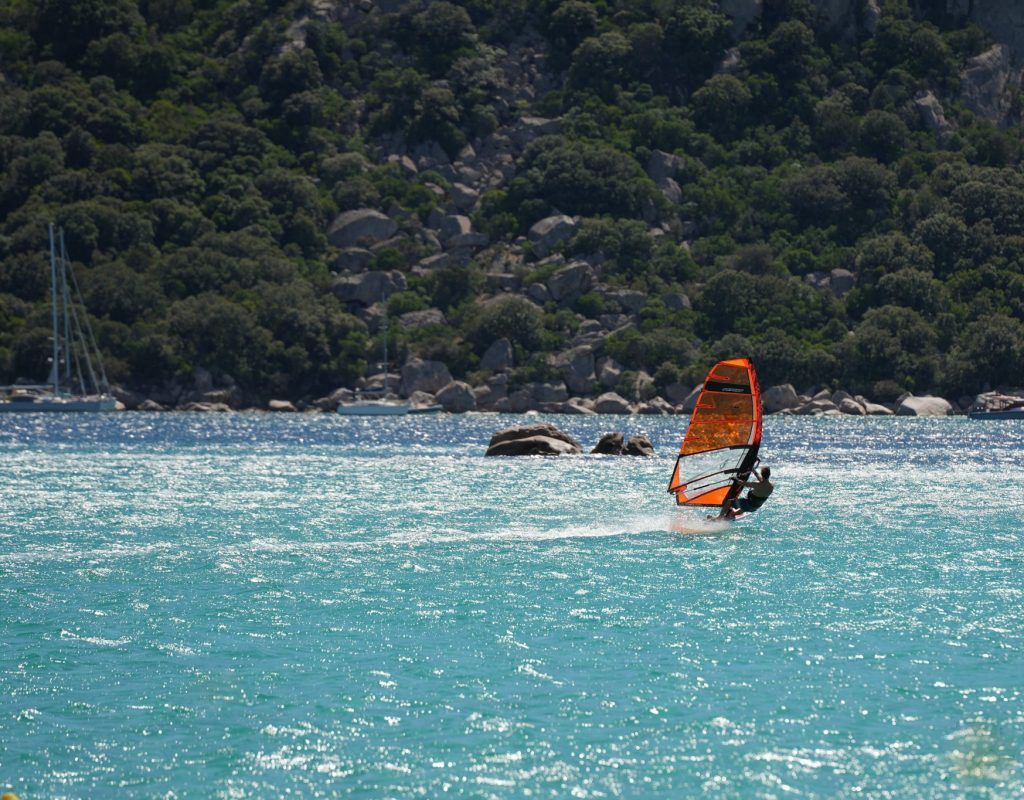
[(420, 319), (577, 366), (424, 376), (498, 356), (610, 444), (927, 406), (933, 116), (281, 406), (549, 392), (353, 259), (364, 226), (571, 281), (548, 232), (612, 403), (542, 439), (850, 406), (456, 397), (369, 287), (985, 83), (779, 398)]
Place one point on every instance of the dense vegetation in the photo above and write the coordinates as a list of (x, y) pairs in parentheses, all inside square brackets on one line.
[(196, 159)]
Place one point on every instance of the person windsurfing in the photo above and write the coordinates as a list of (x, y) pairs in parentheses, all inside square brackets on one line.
[(760, 490)]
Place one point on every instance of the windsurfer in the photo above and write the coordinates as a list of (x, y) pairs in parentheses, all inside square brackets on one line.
[(760, 490)]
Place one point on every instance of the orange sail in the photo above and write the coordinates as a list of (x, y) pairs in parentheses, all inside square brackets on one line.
[(722, 440)]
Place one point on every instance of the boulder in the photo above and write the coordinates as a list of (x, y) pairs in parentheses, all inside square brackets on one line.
[(281, 405), (419, 319), (631, 301), (421, 399), (610, 444), (571, 281), (353, 259), (456, 397), (538, 293), (540, 439), (662, 165), (671, 190), (985, 81), (515, 403), (464, 197), (608, 372), (850, 406), (360, 227), (927, 406), (130, 400), (638, 445), (574, 405), (369, 287), (611, 403), (498, 356), (677, 301), (454, 226), (676, 393), (150, 405), (577, 367), (690, 402), (205, 407), (817, 407), (424, 376), (549, 392), (779, 398), (877, 410), (656, 405), (548, 232), (933, 116), (488, 395), (840, 281)]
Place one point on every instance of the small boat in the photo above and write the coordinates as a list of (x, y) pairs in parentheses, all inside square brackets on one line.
[(378, 403), (77, 380), (997, 406)]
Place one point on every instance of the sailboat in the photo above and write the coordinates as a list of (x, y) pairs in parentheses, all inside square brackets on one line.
[(77, 379), (377, 403), (721, 443)]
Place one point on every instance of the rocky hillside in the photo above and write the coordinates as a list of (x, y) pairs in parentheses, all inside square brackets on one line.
[(546, 203)]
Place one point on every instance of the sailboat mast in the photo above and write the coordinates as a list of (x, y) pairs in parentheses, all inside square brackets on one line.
[(55, 369)]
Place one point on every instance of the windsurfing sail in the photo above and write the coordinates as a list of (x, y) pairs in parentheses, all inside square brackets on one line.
[(722, 440)]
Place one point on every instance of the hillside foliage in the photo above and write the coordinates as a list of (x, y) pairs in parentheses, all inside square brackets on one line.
[(195, 159)]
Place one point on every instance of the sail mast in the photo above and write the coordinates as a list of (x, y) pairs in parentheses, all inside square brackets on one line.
[(55, 368)]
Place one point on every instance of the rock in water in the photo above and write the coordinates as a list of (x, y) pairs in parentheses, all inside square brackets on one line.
[(610, 444), (924, 407), (639, 445), (543, 439)]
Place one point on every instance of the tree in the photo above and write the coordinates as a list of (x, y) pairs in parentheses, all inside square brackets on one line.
[(988, 354)]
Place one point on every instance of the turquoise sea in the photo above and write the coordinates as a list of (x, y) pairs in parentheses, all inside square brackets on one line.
[(258, 606)]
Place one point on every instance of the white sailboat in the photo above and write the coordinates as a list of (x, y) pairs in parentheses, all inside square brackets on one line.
[(77, 379), (377, 403)]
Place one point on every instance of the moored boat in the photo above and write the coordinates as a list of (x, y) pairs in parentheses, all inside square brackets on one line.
[(77, 379)]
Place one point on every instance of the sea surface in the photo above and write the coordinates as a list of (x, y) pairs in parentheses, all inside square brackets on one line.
[(263, 606)]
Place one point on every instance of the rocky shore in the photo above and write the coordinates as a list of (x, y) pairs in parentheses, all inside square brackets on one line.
[(424, 383)]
